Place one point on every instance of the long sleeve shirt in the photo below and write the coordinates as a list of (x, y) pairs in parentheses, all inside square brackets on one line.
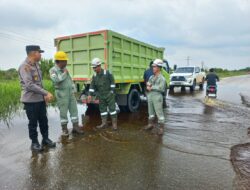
[(158, 83), (30, 76), (102, 84)]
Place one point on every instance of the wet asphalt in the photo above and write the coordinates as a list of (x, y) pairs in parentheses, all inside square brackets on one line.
[(205, 146)]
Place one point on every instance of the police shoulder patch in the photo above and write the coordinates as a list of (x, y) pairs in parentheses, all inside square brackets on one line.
[(27, 68)]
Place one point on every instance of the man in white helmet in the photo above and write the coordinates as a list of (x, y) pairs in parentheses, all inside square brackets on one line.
[(156, 87), (103, 85)]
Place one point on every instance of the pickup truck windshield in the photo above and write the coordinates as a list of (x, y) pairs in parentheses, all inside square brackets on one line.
[(184, 70)]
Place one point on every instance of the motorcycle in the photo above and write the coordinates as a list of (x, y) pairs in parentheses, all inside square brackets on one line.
[(211, 91)]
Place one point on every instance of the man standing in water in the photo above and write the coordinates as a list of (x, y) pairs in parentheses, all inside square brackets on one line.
[(34, 97), (103, 84), (156, 86), (64, 91), (148, 73)]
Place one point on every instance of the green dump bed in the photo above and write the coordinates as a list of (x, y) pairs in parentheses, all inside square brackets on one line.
[(126, 58)]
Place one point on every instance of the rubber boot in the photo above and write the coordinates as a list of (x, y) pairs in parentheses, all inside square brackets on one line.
[(103, 125), (77, 129), (65, 131), (35, 146), (160, 129), (49, 143), (164, 104), (150, 125), (114, 124)]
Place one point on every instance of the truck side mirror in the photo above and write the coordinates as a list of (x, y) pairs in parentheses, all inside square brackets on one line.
[(175, 67)]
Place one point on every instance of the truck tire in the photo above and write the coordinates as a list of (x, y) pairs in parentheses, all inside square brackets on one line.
[(192, 88), (133, 100), (171, 88), (183, 88), (202, 84)]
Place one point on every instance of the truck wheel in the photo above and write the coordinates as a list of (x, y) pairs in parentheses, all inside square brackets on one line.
[(171, 88), (133, 100), (192, 88), (202, 84)]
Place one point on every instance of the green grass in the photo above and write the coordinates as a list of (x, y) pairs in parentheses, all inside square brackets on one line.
[(10, 98), (10, 93), (225, 74)]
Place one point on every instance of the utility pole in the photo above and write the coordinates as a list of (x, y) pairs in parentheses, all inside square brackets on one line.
[(202, 64), (188, 59)]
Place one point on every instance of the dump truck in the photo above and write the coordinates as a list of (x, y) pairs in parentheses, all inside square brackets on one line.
[(126, 58)]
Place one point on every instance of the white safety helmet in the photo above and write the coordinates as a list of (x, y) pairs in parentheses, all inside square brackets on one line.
[(158, 62), (96, 62)]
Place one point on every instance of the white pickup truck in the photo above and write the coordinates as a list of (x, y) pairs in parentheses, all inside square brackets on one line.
[(190, 76)]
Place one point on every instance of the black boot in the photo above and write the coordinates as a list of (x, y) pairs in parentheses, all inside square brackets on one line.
[(49, 143), (77, 129), (36, 147)]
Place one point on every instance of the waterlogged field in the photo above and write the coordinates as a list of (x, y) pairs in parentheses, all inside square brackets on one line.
[(10, 92)]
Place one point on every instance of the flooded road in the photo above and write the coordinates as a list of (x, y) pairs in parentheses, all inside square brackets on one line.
[(201, 138)]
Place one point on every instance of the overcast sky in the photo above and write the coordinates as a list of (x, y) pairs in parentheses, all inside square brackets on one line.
[(214, 31)]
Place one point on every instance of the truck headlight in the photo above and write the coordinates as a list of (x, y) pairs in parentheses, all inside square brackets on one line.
[(189, 77)]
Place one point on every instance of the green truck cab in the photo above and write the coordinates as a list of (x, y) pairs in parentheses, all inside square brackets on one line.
[(124, 57)]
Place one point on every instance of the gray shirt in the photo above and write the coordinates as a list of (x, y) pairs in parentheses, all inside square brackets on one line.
[(30, 76)]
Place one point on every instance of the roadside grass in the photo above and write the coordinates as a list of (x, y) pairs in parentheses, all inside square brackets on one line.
[(10, 93), (225, 74)]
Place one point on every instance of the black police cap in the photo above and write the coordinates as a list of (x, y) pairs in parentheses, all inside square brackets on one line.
[(30, 48)]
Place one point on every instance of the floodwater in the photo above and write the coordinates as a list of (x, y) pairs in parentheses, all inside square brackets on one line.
[(205, 146)]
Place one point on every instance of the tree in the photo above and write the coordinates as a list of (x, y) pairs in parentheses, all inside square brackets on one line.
[(46, 64)]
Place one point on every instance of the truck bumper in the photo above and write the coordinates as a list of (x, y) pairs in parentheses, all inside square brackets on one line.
[(181, 83)]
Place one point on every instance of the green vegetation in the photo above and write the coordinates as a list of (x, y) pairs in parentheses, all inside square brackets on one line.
[(12, 74), (222, 73), (10, 93), (46, 64), (10, 90)]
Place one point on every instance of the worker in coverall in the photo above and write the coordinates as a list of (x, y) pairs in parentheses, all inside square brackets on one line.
[(103, 85), (64, 92), (156, 86)]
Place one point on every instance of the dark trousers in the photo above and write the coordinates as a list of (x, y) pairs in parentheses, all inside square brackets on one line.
[(37, 113)]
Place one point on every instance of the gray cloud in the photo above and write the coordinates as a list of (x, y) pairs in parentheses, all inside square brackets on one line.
[(217, 32)]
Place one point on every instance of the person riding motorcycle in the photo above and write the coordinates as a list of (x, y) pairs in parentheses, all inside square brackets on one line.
[(212, 78)]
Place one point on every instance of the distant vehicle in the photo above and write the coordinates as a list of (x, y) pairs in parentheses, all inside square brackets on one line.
[(190, 76), (211, 91)]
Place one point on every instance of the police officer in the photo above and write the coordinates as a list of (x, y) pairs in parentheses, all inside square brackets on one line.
[(34, 97), (103, 85), (64, 91), (156, 86)]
